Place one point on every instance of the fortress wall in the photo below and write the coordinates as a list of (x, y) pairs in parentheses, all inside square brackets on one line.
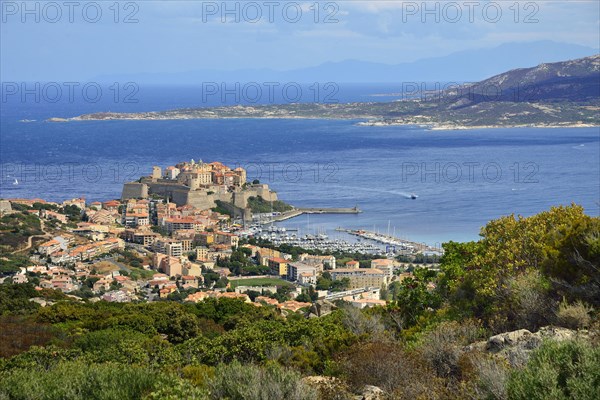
[(241, 198), (201, 200), (238, 212), (134, 190), (267, 194), (180, 196), (176, 192)]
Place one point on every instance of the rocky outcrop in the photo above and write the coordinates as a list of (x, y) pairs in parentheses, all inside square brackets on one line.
[(329, 387), (321, 308), (516, 346)]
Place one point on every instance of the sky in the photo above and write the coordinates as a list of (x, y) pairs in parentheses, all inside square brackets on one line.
[(71, 40)]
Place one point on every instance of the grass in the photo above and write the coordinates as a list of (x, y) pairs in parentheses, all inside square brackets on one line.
[(259, 282), (104, 267)]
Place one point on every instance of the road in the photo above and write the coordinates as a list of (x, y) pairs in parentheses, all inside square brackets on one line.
[(30, 238)]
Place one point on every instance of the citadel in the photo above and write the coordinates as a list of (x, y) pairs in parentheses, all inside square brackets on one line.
[(200, 185)]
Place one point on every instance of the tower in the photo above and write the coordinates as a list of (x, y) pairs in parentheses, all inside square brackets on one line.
[(156, 172)]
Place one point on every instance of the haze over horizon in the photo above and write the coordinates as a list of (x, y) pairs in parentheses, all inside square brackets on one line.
[(160, 42)]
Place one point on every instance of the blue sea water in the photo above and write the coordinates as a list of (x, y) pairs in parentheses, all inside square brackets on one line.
[(462, 178)]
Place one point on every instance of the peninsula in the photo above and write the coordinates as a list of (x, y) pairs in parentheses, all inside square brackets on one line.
[(562, 94)]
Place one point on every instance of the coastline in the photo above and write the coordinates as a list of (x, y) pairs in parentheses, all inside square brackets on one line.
[(432, 126)]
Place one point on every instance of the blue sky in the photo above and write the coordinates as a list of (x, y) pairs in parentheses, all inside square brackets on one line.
[(177, 36)]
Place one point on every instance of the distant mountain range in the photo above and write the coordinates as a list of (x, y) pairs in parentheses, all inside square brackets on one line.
[(574, 80), (469, 65), (565, 93)]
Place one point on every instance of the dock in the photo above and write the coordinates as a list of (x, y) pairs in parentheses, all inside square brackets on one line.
[(390, 240), (324, 210), (316, 210)]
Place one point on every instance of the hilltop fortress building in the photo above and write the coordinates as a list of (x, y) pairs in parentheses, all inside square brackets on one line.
[(198, 184)]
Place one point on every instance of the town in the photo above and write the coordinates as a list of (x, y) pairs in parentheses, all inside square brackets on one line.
[(157, 244)]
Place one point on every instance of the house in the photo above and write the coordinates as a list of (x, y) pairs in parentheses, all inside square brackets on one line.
[(46, 284), (63, 283), (189, 281), (233, 295), (136, 219), (101, 285), (293, 305), (171, 266), (328, 262), (297, 271), (166, 291), (117, 296), (201, 296), (307, 278), (121, 279), (267, 300), (353, 264), (197, 297), (187, 223), (80, 202), (192, 269), (263, 255), (49, 247), (141, 236), (111, 205), (364, 303), (278, 266), (19, 278), (54, 215), (202, 253), (226, 238), (361, 277), (385, 265), (170, 247)]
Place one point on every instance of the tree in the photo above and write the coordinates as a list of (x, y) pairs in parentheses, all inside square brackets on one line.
[(561, 245), (412, 297)]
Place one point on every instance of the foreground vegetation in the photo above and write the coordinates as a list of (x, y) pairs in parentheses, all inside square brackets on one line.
[(524, 273)]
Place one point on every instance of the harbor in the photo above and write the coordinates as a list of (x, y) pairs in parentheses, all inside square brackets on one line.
[(392, 243), (268, 226)]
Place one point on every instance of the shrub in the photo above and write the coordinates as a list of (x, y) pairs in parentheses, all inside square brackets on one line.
[(389, 367), (573, 316), (441, 347), (251, 382), (558, 370), (78, 380), (360, 323), (491, 377), (526, 302)]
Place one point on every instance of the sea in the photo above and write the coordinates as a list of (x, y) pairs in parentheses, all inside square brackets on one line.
[(461, 178)]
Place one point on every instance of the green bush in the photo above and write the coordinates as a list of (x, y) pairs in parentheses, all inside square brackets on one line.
[(558, 370), (574, 316), (236, 381), (78, 380)]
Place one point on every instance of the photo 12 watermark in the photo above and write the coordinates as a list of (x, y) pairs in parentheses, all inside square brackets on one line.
[(269, 92), (70, 92), (492, 90), (14, 174), (254, 12), (469, 172), (53, 12), (454, 12), (292, 172)]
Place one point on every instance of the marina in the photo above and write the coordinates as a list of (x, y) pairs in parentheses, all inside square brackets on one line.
[(393, 243), (307, 239), (339, 239)]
